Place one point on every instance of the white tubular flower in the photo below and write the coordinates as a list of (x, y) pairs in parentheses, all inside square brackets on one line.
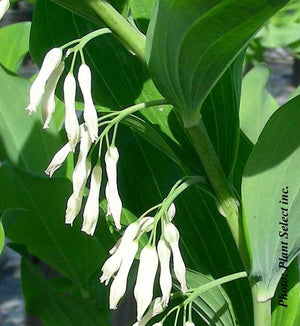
[(89, 111), (189, 323), (115, 247), (165, 280), (114, 203), (71, 122), (58, 159), (48, 101), (155, 309), (91, 210), (50, 63), (172, 211), (171, 235), (73, 208), (143, 290), (83, 166), (4, 5), (119, 285), (113, 263)]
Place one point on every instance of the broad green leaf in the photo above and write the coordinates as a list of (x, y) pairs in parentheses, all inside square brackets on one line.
[(15, 39), (214, 306), (257, 104), (271, 170), (55, 307), (23, 142), (39, 225), (288, 288), (190, 44)]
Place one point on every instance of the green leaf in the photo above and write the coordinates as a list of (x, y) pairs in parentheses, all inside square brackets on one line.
[(213, 306), (289, 288), (15, 39), (142, 12), (257, 104), (23, 142), (190, 44), (54, 307), (272, 166), (39, 224)]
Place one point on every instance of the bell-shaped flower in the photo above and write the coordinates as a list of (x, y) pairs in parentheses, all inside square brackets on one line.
[(91, 210), (73, 208), (114, 203), (155, 309), (58, 159), (165, 279), (50, 63), (143, 290), (89, 111), (71, 122), (4, 5), (119, 285), (48, 100), (171, 235)]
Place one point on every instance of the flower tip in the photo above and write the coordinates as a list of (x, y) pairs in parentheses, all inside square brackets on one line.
[(45, 126), (30, 109)]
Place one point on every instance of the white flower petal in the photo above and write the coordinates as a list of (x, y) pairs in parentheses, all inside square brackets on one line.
[(189, 323), (110, 267), (89, 111), (50, 63), (165, 280), (58, 159), (171, 235), (172, 211), (48, 100), (73, 208), (119, 285), (145, 224), (71, 122), (91, 210), (155, 309), (114, 203), (4, 5), (143, 290)]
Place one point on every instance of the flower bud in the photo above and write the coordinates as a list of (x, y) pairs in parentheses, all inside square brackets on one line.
[(71, 122), (114, 203), (58, 159), (91, 210), (50, 63), (172, 211), (165, 280), (4, 5), (189, 323), (171, 235), (73, 208), (118, 286), (48, 100), (89, 111), (143, 290)]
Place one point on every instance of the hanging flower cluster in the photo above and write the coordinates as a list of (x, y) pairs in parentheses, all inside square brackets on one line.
[(152, 256), (4, 5)]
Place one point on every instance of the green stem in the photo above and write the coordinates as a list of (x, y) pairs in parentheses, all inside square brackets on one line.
[(215, 173), (261, 310), (128, 34)]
